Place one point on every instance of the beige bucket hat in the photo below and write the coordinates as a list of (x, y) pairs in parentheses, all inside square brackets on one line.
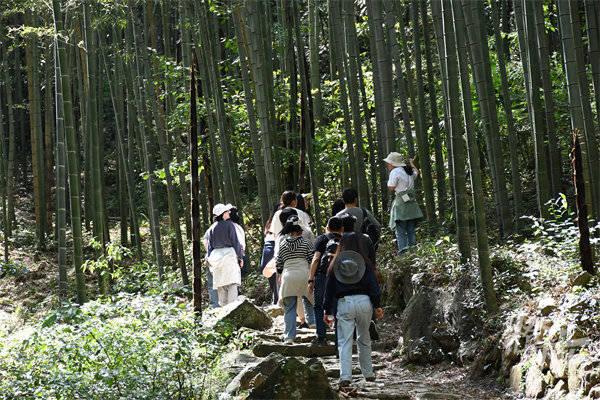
[(395, 159)]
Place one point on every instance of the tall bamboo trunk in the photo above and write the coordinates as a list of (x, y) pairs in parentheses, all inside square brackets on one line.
[(3, 160), (115, 82), (48, 134), (507, 106), (477, 41), (195, 195), (61, 180), (576, 97), (313, 44), (35, 126), (10, 158), (72, 152), (384, 75), (379, 117), (261, 179), (419, 112), (260, 64), (144, 124), (401, 85), (552, 147), (477, 188), (457, 150), (307, 126)]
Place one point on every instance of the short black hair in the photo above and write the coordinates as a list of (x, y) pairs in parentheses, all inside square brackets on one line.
[(337, 206), (350, 195), (335, 224), (286, 213), (234, 216), (348, 221), (301, 204)]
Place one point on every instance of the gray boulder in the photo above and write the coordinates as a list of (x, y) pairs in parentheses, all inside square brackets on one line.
[(278, 377), (427, 332), (239, 314)]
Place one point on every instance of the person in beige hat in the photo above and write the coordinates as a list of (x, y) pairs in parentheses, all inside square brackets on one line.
[(405, 211)]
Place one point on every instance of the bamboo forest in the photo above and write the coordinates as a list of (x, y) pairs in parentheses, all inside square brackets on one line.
[(299, 199)]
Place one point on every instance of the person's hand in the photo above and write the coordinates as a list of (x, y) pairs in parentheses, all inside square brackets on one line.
[(241, 263), (378, 313)]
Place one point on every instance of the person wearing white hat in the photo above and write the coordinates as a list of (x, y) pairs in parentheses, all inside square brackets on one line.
[(405, 210), (224, 255)]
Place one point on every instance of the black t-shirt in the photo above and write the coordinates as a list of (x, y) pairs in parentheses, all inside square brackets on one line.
[(321, 247)]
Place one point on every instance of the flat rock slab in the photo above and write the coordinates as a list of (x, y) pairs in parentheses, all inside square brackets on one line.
[(292, 350), (301, 338), (240, 314)]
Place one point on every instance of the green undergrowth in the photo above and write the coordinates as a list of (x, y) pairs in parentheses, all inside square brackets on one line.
[(541, 261), (124, 347)]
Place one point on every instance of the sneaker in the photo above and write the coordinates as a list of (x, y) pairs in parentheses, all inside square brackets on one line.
[(288, 341), (319, 342), (303, 325), (344, 384), (371, 379)]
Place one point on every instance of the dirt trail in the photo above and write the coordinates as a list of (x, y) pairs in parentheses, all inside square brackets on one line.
[(394, 380)]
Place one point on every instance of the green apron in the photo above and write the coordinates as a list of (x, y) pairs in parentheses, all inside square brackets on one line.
[(404, 210)]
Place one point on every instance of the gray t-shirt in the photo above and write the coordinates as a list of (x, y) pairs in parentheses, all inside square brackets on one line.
[(357, 212)]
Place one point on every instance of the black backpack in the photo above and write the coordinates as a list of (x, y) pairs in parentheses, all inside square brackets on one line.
[(370, 229), (330, 250)]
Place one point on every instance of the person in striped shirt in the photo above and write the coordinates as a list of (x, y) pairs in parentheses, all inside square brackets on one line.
[(292, 262)]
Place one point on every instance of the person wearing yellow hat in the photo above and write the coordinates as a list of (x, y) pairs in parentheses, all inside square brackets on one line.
[(405, 211)]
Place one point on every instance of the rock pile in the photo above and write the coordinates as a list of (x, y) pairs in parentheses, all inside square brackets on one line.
[(545, 356)]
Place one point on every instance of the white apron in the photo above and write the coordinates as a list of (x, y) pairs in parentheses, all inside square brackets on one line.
[(294, 279), (224, 266)]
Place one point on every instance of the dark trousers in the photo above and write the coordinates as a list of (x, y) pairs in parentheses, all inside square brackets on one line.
[(319, 294), (267, 255)]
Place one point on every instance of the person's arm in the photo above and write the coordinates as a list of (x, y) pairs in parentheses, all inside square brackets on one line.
[(329, 296), (392, 181), (372, 218), (205, 239), (280, 257), (375, 294), (235, 242), (414, 167), (313, 270), (241, 236), (276, 225)]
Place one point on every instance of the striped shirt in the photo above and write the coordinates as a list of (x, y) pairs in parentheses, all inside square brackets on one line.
[(293, 247)]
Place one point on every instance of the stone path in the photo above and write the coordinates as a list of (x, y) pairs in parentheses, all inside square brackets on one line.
[(394, 380)]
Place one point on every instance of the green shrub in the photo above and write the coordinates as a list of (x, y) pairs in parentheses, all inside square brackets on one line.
[(128, 347)]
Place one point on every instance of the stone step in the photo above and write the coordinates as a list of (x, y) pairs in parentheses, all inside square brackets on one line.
[(334, 371), (292, 350), (300, 338)]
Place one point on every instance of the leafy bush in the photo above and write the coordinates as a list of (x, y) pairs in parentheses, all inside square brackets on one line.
[(12, 268), (130, 347)]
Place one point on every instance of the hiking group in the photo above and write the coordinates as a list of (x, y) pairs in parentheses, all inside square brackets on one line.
[(327, 282)]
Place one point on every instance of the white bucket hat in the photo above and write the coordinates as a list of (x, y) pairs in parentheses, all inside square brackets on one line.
[(220, 209), (395, 159)]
